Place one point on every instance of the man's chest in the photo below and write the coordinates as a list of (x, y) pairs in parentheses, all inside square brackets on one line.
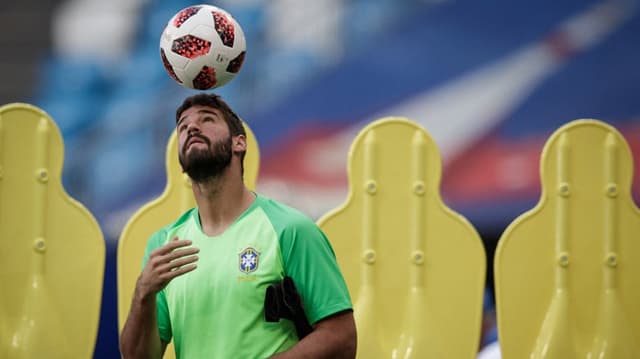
[(229, 268)]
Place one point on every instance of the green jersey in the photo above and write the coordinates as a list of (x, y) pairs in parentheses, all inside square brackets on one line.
[(217, 310)]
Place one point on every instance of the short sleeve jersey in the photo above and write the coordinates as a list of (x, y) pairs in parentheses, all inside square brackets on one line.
[(217, 310)]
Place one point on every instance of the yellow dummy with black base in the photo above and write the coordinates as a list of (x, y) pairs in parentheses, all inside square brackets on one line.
[(567, 272), (175, 200), (415, 268), (53, 251)]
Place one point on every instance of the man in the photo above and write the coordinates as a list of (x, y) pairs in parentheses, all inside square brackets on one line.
[(205, 275)]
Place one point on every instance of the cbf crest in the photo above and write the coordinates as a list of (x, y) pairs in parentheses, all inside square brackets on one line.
[(248, 260)]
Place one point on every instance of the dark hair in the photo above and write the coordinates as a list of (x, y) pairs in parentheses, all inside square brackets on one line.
[(214, 101)]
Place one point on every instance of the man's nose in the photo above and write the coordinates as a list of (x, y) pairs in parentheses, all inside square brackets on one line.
[(193, 127)]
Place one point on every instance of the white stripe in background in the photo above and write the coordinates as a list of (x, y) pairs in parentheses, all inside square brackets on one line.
[(462, 110), (465, 109)]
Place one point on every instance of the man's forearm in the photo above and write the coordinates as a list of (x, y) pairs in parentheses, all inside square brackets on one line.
[(319, 345), (140, 338), (332, 338)]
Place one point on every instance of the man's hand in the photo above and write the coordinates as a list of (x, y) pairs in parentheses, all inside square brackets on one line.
[(164, 264), (140, 338)]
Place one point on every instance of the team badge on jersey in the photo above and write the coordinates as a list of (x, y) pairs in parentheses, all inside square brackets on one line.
[(248, 260)]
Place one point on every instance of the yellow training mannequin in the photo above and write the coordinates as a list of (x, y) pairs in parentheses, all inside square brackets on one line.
[(567, 272), (53, 252), (175, 200), (415, 268)]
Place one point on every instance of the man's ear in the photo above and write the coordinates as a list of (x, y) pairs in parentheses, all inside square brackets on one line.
[(239, 143)]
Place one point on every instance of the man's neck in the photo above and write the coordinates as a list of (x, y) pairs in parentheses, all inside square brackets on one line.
[(220, 202)]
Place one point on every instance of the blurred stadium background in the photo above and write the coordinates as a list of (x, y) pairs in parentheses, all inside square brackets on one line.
[(489, 80)]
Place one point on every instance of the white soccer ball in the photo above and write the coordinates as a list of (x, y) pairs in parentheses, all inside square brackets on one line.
[(202, 47)]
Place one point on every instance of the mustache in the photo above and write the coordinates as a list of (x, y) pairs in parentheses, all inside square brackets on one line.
[(204, 139)]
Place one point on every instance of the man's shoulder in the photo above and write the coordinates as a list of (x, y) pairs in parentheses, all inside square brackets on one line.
[(282, 212), (284, 217)]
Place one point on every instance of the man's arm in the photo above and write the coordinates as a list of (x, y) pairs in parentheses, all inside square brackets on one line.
[(140, 337), (333, 337)]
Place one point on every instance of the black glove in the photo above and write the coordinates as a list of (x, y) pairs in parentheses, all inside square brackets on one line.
[(282, 300)]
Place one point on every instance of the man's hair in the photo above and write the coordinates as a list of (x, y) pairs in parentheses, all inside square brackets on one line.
[(214, 101)]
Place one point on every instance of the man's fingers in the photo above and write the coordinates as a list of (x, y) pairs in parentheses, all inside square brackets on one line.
[(172, 245), (176, 243), (180, 271), (180, 253), (171, 266)]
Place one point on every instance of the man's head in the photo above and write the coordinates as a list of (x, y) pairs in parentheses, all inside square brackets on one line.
[(209, 135)]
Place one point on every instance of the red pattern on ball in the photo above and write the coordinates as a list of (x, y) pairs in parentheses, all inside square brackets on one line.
[(168, 66), (206, 79), (224, 28), (235, 64), (184, 15), (190, 46)]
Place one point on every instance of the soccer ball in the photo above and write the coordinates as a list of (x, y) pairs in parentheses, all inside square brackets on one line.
[(202, 47)]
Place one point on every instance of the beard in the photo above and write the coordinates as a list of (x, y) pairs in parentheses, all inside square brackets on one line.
[(204, 164)]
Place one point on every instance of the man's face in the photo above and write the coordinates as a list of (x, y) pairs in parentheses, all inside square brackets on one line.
[(204, 143)]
